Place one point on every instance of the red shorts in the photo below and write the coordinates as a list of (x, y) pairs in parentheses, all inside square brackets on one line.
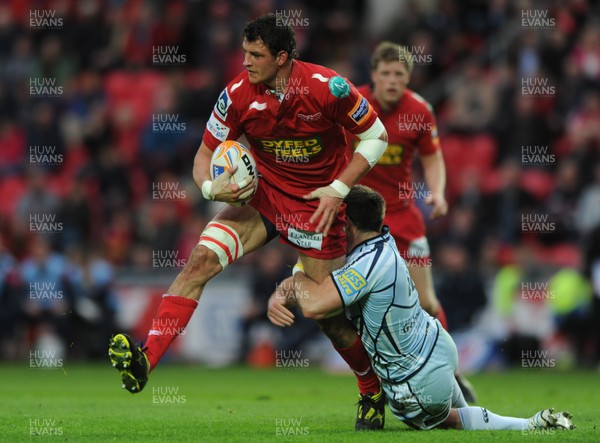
[(291, 216), (408, 229)]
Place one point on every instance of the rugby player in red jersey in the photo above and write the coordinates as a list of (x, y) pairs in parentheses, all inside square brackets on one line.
[(294, 116), (411, 127)]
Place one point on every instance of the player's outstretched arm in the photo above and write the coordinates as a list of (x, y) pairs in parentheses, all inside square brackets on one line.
[(219, 189), (434, 170), (371, 147)]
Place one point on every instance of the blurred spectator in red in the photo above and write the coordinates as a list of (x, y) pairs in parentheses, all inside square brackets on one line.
[(118, 236)]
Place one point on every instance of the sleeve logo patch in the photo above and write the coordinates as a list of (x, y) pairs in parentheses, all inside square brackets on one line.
[(339, 87), (217, 129), (361, 111), (223, 104), (351, 280)]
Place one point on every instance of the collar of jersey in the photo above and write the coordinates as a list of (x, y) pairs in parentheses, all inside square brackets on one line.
[(293, 71), (384, 236)]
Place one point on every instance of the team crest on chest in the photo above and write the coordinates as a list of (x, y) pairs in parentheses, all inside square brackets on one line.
[(310, 117)]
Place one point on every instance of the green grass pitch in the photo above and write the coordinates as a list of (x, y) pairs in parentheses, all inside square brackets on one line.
[(192, 403)]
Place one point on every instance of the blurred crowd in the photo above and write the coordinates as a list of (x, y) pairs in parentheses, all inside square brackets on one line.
[(98, 130)]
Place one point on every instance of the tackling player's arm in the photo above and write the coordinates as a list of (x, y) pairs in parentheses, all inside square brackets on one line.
[(316, 300), (434, 170), (219, 189)]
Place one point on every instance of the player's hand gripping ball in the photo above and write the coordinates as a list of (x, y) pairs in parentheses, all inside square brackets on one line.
[(229, 154)]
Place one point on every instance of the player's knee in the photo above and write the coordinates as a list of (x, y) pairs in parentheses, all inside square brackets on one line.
[(201, 266)]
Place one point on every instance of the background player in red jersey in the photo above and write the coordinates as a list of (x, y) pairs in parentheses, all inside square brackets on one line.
[(411, 127), (293, 115)]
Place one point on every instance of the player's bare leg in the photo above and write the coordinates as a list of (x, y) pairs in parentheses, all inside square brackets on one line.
[(232, 233), (423, 280), (345, 339)]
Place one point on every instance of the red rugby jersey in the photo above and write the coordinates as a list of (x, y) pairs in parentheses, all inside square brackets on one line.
[(299, 143), (410, 127)]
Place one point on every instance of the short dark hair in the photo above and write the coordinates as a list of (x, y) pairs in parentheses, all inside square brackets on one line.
[(391, 52), (276, 36), (365, 208)]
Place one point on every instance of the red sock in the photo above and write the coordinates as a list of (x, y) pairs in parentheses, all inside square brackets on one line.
[(441, 316), (358, 360), (172, 317)]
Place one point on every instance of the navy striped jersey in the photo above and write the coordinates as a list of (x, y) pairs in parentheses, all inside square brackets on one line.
[(383, 304)]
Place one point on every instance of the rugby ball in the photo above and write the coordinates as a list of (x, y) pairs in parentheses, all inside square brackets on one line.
[(229, 154)]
